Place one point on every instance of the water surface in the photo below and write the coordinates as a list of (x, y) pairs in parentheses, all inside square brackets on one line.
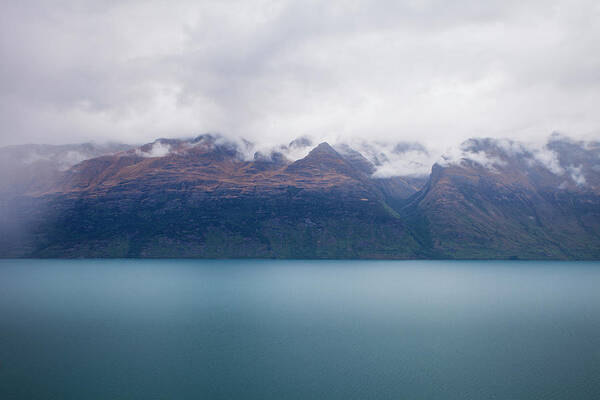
[(197, 329)]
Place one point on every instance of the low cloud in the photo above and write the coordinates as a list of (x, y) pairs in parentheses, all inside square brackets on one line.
[(556, 155), (577, 174), (156, 149), (272, 151), (549, 159), (396, 159), (466, 153)]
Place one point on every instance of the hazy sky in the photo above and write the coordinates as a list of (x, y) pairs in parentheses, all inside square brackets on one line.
[(433, 71)]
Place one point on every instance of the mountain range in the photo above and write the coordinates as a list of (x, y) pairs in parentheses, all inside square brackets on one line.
[(211, 197)]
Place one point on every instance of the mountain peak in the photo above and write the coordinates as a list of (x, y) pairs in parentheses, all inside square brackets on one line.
[(324, 148), (324, 159), (321, 153)]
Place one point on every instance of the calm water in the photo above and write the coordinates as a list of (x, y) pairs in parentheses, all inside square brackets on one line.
[(187, 329)]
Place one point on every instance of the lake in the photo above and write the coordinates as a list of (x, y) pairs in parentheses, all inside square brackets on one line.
[(270, 329)]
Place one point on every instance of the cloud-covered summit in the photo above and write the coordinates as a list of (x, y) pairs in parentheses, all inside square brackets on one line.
[(570, 162)]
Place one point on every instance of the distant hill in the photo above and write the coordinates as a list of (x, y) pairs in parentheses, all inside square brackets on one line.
[(34, 168), (209, 197)]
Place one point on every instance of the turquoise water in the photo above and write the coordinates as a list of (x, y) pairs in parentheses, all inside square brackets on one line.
[(190, 329)]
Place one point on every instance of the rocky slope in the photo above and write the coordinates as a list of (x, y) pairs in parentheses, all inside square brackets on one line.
[(200, 198), (512, 202), (207, 197)]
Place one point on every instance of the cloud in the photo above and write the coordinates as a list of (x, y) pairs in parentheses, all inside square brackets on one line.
[(271, 151), (395, 158), (435, 72), (577, 175), (410, 164), (481, 151), (549, 159), (50, 157), (156, 149), (495, 154)]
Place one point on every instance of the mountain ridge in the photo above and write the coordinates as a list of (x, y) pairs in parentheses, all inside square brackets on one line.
[(206, 197)]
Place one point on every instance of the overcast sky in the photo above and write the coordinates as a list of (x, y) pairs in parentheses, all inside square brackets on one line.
[(433, 71)]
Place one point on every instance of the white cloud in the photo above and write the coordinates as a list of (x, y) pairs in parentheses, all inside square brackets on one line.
[(396, 159), (157, 149), (466, 154), (577, 174), (549, 159)]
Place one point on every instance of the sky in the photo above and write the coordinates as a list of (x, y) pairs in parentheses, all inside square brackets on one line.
[(436, 72)]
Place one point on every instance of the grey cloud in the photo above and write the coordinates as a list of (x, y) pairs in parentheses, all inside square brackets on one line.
[(436, 72)]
